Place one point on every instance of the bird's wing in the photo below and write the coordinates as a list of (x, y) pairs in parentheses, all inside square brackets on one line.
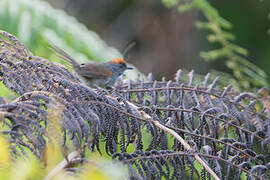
[(94, 70)]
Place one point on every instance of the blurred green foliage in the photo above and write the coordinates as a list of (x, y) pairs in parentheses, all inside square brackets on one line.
[(35, 23), (248, 74), (269, 19), (31, 167)]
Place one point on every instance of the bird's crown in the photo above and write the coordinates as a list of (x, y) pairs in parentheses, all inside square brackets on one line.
[(118, 61), (126, 50)]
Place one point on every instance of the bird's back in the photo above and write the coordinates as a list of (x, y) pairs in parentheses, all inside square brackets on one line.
[(94, 70)]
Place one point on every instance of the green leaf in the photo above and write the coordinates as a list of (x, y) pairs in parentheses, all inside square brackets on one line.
[(185, 7), (239, 49), (5, 92), (170, 3), (214, 54)]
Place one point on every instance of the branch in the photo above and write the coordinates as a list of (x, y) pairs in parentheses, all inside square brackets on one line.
[(62, 165), (180, 139)]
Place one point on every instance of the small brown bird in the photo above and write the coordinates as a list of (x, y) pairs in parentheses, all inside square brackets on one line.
[(93, 74)]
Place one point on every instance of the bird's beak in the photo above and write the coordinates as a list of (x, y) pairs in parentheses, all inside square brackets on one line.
[(130, 68)]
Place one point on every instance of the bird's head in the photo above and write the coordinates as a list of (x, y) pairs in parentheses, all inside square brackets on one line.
[(118, 65)]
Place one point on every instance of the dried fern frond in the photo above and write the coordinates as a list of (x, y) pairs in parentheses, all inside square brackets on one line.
[(168, 123)]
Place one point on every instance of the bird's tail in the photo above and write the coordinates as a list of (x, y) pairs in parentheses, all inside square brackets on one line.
[(63, 55)]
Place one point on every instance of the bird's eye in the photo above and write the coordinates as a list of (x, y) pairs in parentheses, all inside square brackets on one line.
[(121, 66)]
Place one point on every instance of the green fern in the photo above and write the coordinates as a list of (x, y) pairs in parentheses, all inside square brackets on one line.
[(35, 23), (247, 73)]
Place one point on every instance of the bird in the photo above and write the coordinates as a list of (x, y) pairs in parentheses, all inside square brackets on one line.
[(101, 74)]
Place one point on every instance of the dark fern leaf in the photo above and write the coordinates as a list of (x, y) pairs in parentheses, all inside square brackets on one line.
[(228, 130)]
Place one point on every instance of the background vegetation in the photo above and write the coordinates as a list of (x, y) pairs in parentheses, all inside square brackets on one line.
[(232, 32)]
